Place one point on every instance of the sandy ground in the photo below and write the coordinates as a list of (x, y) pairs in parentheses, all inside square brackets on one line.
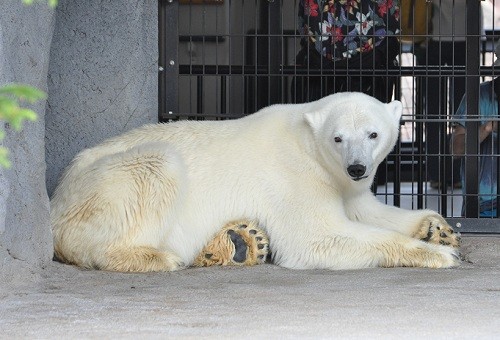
[(265, 301)]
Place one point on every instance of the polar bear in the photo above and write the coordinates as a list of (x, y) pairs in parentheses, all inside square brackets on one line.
[(151, 199)]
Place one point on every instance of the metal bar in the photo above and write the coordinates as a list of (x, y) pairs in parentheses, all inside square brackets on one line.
[(443, 113), (475, 225), (202, 38), (419, 132), (230, 61), (161, 60), (472, 127), (413, 71), (397, 175), (498, 171), (275, 51), (168, 66), (223, 108), (199, 95), (257, 41)]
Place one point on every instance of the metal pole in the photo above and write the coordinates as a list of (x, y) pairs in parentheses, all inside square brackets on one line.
[(168, 65), (472, 90)]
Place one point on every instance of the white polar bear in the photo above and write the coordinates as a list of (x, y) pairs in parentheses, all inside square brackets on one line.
[(149, 200)]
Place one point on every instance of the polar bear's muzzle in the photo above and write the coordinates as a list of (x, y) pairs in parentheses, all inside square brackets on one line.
[(356, 171)]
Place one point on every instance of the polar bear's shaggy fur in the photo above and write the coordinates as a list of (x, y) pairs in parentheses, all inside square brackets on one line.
[(150, 200)]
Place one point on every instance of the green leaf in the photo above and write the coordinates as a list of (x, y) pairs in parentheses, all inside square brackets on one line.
[(52, 3), (21, 115), (6, 101), (8, 108), (23, 92), (4, 158), (11, 112)]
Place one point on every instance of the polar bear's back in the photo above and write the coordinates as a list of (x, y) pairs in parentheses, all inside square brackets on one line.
[(196, 142), (190, 135)]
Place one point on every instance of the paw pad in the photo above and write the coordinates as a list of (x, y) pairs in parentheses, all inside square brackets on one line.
[(237, 243), (434, 229)]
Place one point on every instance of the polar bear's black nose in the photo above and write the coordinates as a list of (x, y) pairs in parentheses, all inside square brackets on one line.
[(356, 170)]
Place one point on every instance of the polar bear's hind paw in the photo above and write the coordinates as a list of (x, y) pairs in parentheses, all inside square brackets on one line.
[(240, 243)]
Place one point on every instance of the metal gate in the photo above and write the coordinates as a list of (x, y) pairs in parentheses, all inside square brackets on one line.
[(223, 59)]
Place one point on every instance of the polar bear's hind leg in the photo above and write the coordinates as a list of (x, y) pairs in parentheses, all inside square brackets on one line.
[(140, 259), (125, 227)]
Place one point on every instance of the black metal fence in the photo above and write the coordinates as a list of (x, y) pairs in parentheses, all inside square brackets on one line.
[(222, 59)]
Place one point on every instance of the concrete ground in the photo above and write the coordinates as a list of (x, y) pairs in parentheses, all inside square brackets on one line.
[(265, 301)]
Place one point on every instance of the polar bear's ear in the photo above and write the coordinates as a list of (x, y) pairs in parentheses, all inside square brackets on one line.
[(316, 120), (396, 109)]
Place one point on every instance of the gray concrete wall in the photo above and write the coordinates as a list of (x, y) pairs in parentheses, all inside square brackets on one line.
[(102, 76), (101, 80), (25, 240)]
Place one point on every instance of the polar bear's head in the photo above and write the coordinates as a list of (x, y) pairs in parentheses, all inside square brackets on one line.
[(354, 132)]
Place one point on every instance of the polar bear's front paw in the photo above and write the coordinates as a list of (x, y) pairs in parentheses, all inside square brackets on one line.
[(435, 229), (415, 253), (238, 243), (440, 257)]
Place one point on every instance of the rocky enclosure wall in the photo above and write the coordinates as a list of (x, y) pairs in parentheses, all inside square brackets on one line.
[(102, 77), (25, 240), (97, 60)]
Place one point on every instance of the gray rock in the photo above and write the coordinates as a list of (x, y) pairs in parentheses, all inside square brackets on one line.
[(101, 81), (25, 239), (102, 77)]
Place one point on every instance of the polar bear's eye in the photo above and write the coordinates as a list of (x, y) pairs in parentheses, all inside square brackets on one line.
[(373, 135), (337, 139)]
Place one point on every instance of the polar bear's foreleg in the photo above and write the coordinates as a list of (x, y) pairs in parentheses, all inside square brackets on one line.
[(367, 246), (426, 225), (410, 252), (339, 242)]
